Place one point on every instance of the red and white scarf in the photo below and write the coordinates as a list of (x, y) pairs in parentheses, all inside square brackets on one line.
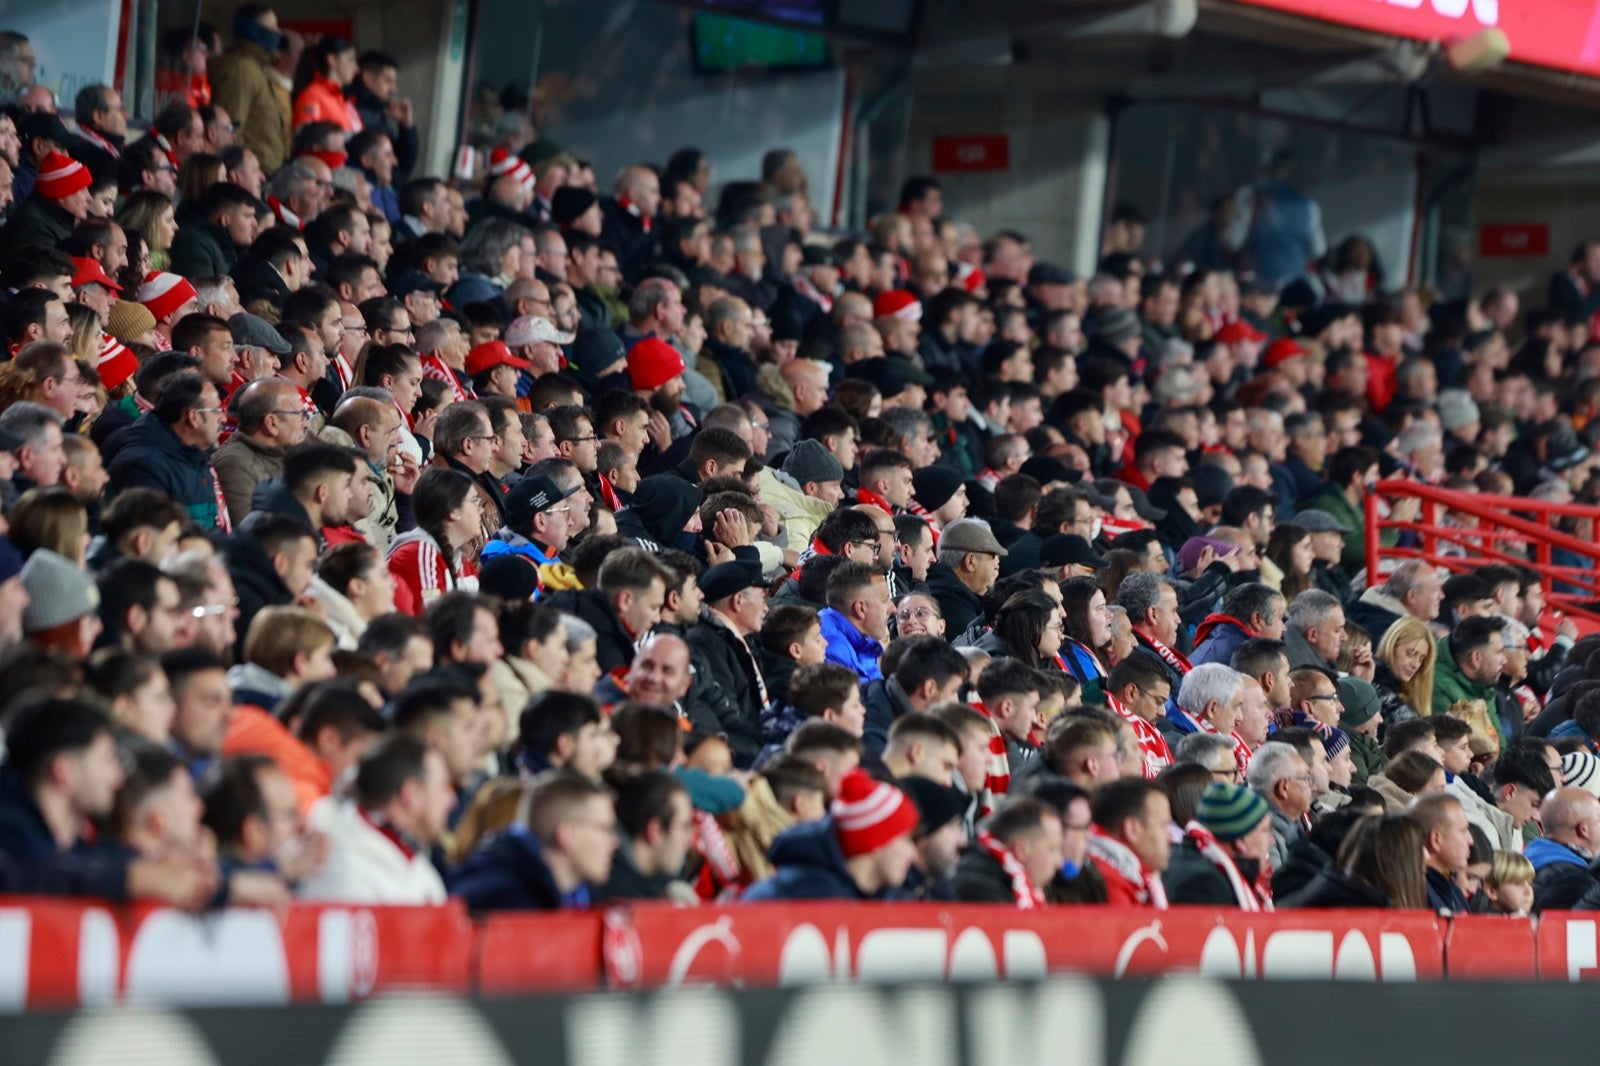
[(1175, 659), (433, 366), (1117, 860), (1250, 897), (997, 778), (1028, 898), (94, 138), (1154, 753)]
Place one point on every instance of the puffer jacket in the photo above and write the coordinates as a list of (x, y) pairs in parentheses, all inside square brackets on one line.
[(810, 865), (151, 456), (242, 463)]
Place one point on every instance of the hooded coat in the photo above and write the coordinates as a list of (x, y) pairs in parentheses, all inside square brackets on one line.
[(810, 865), (661, 508), (1217, 638)]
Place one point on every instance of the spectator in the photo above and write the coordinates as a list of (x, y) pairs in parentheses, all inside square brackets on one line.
[(1282, 777), (863, 849), (1570, 821), (657, 827), (1447, 846), (969, 563), (1017, 852), (1129, 842), (1222, 859), (549, 859)]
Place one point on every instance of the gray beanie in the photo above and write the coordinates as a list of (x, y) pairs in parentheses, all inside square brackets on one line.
[(810, 460), (58, 591)]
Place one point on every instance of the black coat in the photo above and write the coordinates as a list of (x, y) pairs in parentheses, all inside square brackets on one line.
[(719, 652), (1190, 878), (613, 645), (506, 874), (1561, 886), (257, 279), (1335, 889), (255, 581), (979, 878), (959, 604), (150, 455), (1304, 863)]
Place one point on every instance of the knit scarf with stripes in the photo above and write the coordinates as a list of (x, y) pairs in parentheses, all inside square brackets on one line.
[(1022, 890)]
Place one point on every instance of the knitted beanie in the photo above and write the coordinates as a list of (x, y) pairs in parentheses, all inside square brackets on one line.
[(115, 363), (1360, 702), (58, 591), (897, 303), (1230, 811), (1581, 770), (934, 485), (60, 176), (1335, 742), (652, 363), (128, 321), (163, 293), (870, 814), (810, 460)]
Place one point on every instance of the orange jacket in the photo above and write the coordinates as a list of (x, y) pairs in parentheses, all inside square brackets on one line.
[(323, 101), (253, 731)]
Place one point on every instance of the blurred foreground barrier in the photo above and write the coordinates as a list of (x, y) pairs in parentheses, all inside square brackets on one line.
[(58, 954), (1080, 1020)]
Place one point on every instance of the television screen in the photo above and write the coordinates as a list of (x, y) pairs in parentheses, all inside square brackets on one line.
[(796, 12), (722, 43)]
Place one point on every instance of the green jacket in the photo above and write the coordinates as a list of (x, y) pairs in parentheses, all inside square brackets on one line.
[(203, 249), (241, 82), (1367, 755), (1332, 500), (1450, 686)]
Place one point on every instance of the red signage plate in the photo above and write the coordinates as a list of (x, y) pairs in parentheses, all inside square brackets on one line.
[(982, 152)]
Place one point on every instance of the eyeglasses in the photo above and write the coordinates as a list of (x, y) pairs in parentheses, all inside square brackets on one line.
[(927, 614), (211, 610), (563, 509), (1325, 696), (1304, 779), (301, 411), (579, 440), (872, 544), (1227, 775), (211, 410)]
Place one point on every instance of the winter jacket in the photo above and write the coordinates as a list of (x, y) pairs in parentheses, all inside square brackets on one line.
[(849, 647), (257, 279), (626, 882), (1217, 638), (374, 115), (553, 574), (885, 700), (1395, 798), (366, 865), (738, 367), (242, 463), (1190, 877), (151, 456), (203, 249), (801, 514), (728, 658), (1367, 755), (1285, 832), (1335, 890), (322, 100), (508, 873), (1561, 876), (38, 221), (959, 604), (340, 614), (1451, 686), (810, 865), (1495, 823), (254, 731), (254, 580), (1443, 894), (241, 82), (979, 878), (1333, 500), (613, 644), (1392, 704), (30, 860), (1375, 612), (1305, 860)]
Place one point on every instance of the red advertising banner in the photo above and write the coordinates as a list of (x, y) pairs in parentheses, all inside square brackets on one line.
[(1563, 34), (55, 953), (1514, 240), (1569, 947), (781, 944), (535, 952), (974, 153), (1491, 948)]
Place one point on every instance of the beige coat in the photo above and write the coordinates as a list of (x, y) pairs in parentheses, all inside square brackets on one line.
[(241, 464)]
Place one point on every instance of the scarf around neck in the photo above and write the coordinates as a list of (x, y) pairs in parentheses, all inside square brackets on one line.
[(1022, 890)]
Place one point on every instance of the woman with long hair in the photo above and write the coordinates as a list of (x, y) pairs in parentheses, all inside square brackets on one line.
[(426, 561), (491, 258), (1120, 562), (1403, 674), (198, 173), (1289, 547), (152, 214), (1379, 865), (1086, 635), (1028, 626), (324, 70)]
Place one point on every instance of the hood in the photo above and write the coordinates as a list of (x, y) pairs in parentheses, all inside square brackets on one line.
[(272, 495), (810, 844), (248, 564), (147, 431), (770, 381), (1543, 852), (663, 505), (248, 677), (1376, 597)]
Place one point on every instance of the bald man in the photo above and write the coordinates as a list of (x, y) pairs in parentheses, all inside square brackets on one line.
[(1571, 820), (630, 219)]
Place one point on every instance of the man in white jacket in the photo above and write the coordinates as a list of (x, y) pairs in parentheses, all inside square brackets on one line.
[(380, 836)]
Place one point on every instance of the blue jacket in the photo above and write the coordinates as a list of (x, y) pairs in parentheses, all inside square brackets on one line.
[(810, 866), (1218, 638), (509, 874), (151, 456), (1542, 852), (30, 861), (849, 647)]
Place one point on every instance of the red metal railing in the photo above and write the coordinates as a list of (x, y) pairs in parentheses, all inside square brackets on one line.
[(1462, 530)]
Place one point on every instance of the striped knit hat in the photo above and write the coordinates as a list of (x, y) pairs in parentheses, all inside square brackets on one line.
[(115, 364), (163, 293), (1230, 811), (870, 814), (502, 162), (1336, 741), (60, 176), (1581, 770), (897, 303)]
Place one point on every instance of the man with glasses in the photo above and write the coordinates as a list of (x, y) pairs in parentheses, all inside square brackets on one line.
[(1137, 691), (167, 448), (271, 420), (1281, 777), (1314, 701), (1208, 702), (538, 526), (968, 566), (1215, 753)]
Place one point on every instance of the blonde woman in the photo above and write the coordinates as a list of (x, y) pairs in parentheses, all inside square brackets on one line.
[(151, 213), (1404, 675)]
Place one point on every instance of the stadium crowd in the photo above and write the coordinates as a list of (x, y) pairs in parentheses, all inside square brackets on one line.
[(380, 538)]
